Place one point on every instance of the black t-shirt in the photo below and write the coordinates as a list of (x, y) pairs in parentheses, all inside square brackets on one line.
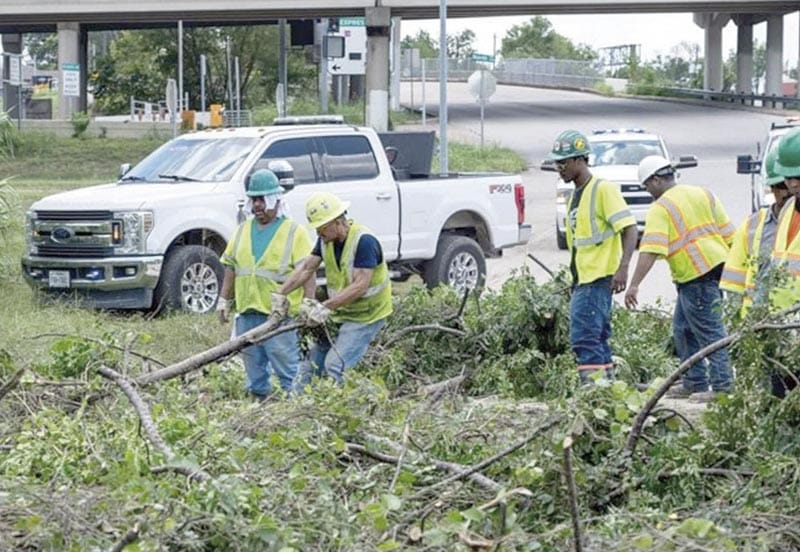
[(368, 251), (572, 219)]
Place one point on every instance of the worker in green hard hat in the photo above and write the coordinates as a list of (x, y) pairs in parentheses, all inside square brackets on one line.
[(264, 250), (601, 238)]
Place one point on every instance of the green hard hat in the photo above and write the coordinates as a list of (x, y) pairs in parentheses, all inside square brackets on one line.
[(773, 178), (263, 182), (788, 163), (570, 143)]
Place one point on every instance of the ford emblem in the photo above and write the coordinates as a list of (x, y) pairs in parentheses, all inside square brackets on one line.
[(62, 234)]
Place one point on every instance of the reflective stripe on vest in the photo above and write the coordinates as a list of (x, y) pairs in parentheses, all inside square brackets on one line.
[(597, 236), (687, 238), (283, 269)]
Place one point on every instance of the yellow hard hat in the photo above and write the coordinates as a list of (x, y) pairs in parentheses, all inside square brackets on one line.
[(323, 207)]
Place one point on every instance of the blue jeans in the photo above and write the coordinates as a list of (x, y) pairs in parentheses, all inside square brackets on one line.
[(332, 360), (279, 354), (696, 324), (590, 325)]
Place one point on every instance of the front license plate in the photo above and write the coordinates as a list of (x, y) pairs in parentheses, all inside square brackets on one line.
[(58, 278)]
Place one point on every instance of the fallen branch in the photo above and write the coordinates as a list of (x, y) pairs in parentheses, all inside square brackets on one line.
[(477, 478), (673, 414), (541, 264), (128, 538), (436, 390), (147, 420), (573, 496), (11, 383), (718, 472), (488, 461), (638, 422), (423, 328), (268, 329)]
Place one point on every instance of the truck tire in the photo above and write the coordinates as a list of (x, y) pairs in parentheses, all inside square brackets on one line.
[(459, 263), (191, 280), (561, 239)]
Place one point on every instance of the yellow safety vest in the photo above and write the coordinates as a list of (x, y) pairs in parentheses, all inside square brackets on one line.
[(741, 267), (602, 215), (786, 256), (255, 280), (690, 228), (376, 303)]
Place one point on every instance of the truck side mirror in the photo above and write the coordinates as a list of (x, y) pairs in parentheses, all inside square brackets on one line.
[(548, 165), (745, 164)]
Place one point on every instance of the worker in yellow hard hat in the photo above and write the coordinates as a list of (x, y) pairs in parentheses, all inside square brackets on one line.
[(359, 289)]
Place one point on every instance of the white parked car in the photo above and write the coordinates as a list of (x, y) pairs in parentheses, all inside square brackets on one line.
[(760, 193), (615, 157)]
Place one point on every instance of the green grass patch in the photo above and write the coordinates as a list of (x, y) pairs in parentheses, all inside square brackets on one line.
[(471, 158)]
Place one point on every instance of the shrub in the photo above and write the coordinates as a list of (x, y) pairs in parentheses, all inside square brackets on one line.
[(9, 136), (80, 122)]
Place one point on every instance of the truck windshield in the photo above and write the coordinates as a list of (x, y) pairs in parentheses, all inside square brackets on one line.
[(624, 152), (193, 160)]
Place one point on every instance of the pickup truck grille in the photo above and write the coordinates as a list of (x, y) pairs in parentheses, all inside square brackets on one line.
[(73, 215), (85, 252), (87, 234)]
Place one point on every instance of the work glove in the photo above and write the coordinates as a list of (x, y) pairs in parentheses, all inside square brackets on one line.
[(280, 305), (313, 313), (224, 308)]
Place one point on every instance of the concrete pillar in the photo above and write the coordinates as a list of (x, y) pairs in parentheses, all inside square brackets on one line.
[(12, 44), (69, 52), (378, 21), (394, 65), (774, 77), (744, 55), (713, 24)]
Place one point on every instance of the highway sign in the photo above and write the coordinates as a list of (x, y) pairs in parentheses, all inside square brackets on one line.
[(482, 57), (14, 69), (354, 61)]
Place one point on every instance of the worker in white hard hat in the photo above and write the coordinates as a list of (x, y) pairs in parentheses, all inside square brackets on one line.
[(687, 226)]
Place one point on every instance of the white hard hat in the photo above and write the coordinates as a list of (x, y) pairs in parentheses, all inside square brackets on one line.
[(650, 165)]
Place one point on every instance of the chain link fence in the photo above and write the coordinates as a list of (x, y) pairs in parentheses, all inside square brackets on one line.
[(526, 72)]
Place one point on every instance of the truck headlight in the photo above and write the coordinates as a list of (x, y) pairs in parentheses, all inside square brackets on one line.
[(129, 231), (32, 249)]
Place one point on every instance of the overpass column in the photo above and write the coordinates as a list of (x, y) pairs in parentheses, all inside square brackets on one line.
[(744, 54), (774, 78), (394, 66), (68, 52), (712, 23), (378, 26), (12, 44)]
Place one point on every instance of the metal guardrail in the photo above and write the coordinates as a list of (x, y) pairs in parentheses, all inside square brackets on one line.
[(755, 100)]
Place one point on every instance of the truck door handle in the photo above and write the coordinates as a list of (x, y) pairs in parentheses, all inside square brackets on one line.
[(384, 195)]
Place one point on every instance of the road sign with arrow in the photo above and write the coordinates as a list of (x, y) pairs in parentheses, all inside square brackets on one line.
[(354, 62)]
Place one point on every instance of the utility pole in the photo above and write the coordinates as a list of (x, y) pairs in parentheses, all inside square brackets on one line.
[(230, 69), (282, 71), (181, 105), (443, 87)]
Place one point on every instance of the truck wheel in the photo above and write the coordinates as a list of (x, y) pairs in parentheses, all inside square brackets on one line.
[(190, 280), (561, 239), (459, 263)]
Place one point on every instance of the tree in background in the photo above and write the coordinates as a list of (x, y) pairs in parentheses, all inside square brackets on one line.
[(538, 39), (424, 42), (460, 46), (43, 49), (139, 63)]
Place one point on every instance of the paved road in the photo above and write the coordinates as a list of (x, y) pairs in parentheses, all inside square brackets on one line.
[(528, 120)]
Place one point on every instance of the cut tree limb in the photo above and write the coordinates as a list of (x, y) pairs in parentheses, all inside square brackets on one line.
[(11, 383), (268, 329), (148, 424)]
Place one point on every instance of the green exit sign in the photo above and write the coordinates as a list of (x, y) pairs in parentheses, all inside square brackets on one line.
[(351, 22), (482, 57)]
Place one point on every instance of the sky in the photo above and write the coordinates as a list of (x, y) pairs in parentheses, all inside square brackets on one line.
[(656, 33)]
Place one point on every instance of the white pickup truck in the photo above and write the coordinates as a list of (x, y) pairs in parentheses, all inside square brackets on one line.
[(153, 238)]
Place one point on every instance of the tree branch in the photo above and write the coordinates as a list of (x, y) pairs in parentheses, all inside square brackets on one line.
[(11, 383), (268, 329), (573, 497), (147, 420)]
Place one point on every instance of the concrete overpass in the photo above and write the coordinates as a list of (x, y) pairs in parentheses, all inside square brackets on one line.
[(72, 20)]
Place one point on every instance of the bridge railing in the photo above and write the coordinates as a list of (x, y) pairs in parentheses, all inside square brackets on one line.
[(755, 100)]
